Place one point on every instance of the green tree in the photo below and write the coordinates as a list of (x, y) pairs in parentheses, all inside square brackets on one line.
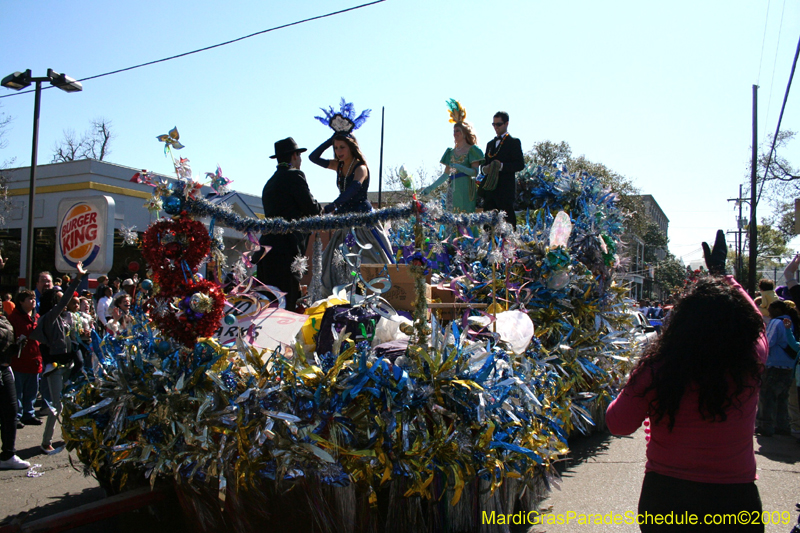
[(771, 241), (783, 220), (772, 251), (670, 274), (654, 240)]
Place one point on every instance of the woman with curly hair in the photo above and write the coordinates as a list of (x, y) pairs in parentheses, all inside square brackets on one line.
[(462, 162), (698, 384)]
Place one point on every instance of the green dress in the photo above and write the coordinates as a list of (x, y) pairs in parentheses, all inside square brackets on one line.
[(462, 189)]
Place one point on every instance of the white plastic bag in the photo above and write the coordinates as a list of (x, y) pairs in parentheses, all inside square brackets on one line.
[(389, 330), (515, 328)]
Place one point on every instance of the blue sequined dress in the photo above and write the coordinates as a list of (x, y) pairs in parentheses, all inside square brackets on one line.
[(334, 271)]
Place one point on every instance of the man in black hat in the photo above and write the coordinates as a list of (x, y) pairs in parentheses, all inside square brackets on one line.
[(503, 160), (286, 195)]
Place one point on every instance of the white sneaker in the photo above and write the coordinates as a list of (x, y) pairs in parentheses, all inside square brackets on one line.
[(15, 463)]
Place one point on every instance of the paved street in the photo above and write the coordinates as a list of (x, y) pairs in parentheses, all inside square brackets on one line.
[(603, 475), (62, 487)]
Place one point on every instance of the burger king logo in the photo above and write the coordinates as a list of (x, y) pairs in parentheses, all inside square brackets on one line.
[(79, 234)]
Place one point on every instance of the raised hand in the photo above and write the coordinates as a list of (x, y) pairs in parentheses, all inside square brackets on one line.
[(716, 257)]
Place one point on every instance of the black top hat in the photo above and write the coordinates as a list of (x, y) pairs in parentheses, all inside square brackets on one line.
[(286, 146)]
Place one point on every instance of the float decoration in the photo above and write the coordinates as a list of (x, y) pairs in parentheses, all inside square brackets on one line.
[(421, 440)]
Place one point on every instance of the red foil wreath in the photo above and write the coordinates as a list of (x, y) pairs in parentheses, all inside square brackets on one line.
[(176, 313), (168, 244)]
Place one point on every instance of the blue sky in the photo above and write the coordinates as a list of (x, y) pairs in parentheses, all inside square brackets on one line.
[(660, 93)]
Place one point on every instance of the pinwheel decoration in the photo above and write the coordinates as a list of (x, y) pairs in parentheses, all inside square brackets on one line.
[(129, 235), (142, 177), (345, 120), (406, 178), (182, 168), (170, 140), (219, 182)]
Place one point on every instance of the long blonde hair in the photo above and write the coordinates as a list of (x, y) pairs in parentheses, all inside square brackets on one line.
[(469, 133)]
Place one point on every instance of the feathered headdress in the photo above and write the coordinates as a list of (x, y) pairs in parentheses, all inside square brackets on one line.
[(457, 112), (344, 120)]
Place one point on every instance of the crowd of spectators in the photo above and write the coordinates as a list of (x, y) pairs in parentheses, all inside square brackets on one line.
[(52, 331)]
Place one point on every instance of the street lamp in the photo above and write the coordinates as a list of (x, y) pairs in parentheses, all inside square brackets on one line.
[(18, 81)]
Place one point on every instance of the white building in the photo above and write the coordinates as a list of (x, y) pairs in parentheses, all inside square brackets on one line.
[(80, 179)]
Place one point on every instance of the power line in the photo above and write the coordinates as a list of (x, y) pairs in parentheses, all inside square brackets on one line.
[(763, 40), (780, 119), (774, 65), (213, 46)]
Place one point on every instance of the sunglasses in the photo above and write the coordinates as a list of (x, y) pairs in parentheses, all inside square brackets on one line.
[(497, 124)]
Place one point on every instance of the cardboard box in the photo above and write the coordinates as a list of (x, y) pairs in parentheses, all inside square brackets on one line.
[(445, 296), (401, 295)]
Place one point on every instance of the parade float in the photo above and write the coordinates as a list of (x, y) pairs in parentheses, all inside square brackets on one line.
[(368, 420)]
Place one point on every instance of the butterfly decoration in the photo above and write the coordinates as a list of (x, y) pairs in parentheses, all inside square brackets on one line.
[(170, 140), (345, 120), (219, 182)]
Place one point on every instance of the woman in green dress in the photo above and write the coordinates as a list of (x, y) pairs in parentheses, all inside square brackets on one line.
[(461, 167)]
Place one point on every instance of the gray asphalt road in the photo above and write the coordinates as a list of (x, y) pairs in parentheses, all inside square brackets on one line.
[(603, 475), (63, 487)]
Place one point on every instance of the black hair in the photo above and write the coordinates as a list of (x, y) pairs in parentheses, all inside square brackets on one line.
[(502, 115), (780, 308), (766, 284), (285, 158), (23, 295), (708, 343), (49, 300)]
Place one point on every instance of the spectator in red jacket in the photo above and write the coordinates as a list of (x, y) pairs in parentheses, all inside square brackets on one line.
[(28, 365)]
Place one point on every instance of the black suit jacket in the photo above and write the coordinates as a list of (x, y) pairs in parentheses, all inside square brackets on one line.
[(286, 195), (510, 154)]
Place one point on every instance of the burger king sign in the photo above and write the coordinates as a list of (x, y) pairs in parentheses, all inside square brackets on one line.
[(84, 234)]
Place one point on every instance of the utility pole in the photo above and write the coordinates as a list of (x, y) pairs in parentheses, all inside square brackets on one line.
[(751, 283), (739, 263), (380, 168)]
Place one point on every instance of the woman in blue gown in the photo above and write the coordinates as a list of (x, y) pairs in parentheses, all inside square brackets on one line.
[(352, 180)]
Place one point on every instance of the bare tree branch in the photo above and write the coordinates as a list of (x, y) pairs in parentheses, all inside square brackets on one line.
[(68, 149), (93, 144), (5, 125)]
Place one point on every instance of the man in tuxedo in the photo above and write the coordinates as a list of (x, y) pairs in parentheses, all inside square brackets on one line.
[(504, 156), (286, 195)]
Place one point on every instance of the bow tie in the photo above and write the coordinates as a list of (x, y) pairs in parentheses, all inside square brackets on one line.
[(498, 138)]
